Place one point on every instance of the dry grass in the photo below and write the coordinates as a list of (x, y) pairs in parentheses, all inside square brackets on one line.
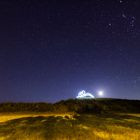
[(118, 133), (11, 116), (43, 126)]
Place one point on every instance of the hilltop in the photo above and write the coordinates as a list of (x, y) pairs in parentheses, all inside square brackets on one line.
[(75, 105)]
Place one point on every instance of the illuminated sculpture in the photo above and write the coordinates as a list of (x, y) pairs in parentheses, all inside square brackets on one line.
[(84, 95)]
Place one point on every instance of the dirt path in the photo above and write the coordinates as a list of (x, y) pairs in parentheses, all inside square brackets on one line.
[(11, 116)]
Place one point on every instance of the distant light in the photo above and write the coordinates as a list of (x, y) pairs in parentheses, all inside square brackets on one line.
[(121, 1), (100, 93), (84, 95), (109, 24)]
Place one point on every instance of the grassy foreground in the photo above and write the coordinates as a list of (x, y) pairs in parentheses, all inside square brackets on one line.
[(69, 127), (87, 125)]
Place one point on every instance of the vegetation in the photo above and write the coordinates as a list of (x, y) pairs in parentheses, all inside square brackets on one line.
[(100, 119), (74, 105)]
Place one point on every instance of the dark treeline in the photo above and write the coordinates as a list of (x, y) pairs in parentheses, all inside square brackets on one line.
[(74, 105)]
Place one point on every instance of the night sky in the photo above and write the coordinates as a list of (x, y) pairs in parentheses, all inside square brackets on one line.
[(52, 49)]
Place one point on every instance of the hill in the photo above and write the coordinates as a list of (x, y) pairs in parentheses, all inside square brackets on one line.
[(75, 105), (100, 119)]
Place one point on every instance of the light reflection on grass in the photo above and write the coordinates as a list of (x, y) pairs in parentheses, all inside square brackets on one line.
[(69, 126)]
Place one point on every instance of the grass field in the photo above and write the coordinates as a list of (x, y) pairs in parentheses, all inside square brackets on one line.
[(69, 126)]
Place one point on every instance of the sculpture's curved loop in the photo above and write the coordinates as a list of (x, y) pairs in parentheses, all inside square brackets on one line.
[(84, 95)]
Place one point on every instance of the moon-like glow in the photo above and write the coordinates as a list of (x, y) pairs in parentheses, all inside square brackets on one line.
[(100, 93)]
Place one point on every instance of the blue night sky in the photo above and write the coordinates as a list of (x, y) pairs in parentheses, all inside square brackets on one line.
[(50, 50)]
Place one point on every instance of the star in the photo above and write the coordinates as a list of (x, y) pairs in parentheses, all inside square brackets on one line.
[(109, 24), (132, 22), (121, 1), (124, 16)]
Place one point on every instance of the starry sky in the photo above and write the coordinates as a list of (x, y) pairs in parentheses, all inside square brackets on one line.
[(52, 49)]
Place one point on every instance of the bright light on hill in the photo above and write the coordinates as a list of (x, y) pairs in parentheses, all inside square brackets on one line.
[(84, 95), (100, 93)]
